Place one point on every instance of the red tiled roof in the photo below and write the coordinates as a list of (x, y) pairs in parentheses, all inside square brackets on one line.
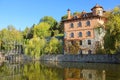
[(81, 16)]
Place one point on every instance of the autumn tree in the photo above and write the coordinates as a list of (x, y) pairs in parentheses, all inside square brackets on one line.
[(74, 47)]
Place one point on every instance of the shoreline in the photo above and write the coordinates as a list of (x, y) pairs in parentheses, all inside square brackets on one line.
[(84, 58)]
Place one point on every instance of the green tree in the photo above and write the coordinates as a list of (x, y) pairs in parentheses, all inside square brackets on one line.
[(54, 46), (66, 15), (76, 13), (9, 36), (112, 37), (42, 30), (25, 32), (51, 21), (35, 47), (60, 28), (30, 32)]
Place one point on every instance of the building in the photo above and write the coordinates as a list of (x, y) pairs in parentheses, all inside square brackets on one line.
[(85, 30)]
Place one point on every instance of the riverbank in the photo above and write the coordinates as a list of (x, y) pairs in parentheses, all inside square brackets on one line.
[(83, 58), (87, 58)]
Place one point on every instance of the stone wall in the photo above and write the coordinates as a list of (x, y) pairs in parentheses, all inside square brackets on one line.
[(92, 58)]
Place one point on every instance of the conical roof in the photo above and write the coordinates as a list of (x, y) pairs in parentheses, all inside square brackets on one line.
[(97, 6)]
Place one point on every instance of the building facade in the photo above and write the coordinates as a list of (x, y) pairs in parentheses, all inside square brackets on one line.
[(86, 30)]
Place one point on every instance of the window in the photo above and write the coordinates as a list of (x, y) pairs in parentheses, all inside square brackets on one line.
[(88, 33), (79, 24), (80, 42), (72, 42), (75, 17), (71, 25), (88, 23), (90, 76), (100, 12), (80, 34), (81, 75), (72, 35), (85, 15), (89, 42), (80, 52)]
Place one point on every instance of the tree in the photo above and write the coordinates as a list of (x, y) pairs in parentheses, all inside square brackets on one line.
[(25, 32), (112, 37), (35, 47), (51, 21), (54, 46), (30, 32), (60, 28), (42, 30), (64, 17), (74, 47), (8, 37), (76, 13)]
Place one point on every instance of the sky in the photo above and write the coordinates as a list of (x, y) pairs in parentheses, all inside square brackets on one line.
[(25, 13)]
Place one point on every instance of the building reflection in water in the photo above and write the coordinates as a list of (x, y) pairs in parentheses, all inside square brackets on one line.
[(61, 71), (83, 74)]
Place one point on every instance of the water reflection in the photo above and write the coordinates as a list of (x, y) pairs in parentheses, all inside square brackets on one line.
[(58, 71), (78, 74)]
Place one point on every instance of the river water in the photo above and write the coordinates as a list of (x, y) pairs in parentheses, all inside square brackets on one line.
[(58, 71)]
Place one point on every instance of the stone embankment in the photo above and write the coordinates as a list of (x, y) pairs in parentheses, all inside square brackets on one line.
[(88, 58)]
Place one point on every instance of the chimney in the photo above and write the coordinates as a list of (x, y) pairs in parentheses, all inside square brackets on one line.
[(69, 16)]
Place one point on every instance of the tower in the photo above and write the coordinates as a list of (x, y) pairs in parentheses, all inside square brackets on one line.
[(97, 10), (68, 12)]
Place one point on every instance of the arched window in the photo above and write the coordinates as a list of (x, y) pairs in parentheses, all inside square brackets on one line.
[(71, 25), (80, 34), (88, 33), (79, 24), (88, 23), (72, 35)]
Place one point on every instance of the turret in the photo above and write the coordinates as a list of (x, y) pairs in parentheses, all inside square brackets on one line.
[(97, 10)]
